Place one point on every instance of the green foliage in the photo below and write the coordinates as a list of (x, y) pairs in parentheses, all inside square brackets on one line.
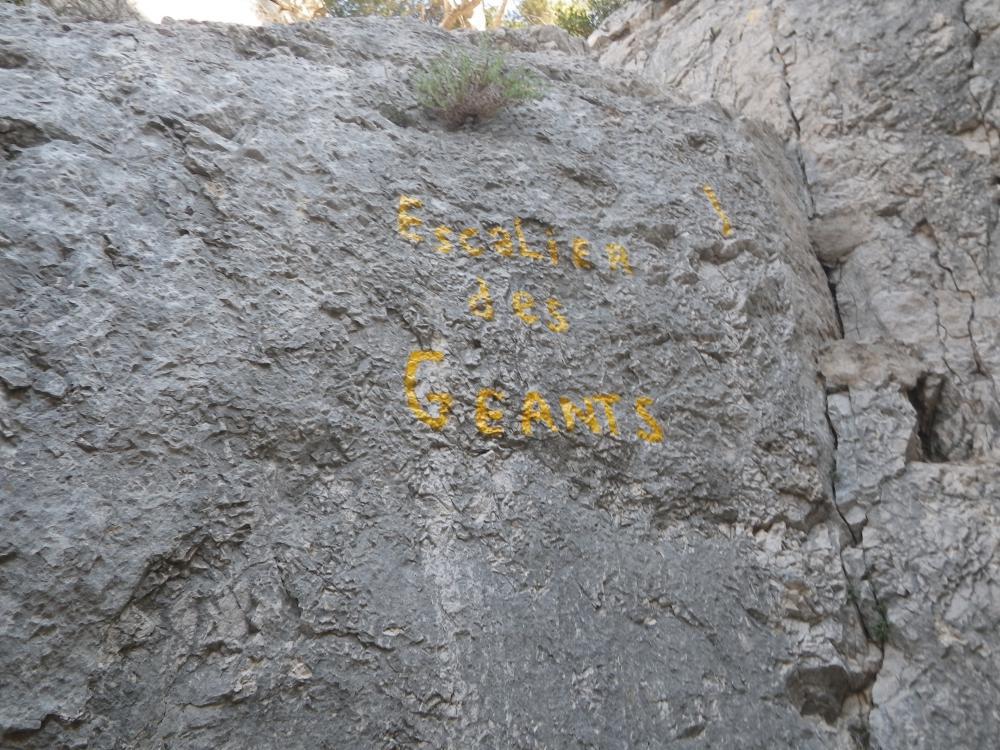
[(428, 10), (581, 17), (881, 629), (537, 11), (574, 18), (462, 86), (578, 17), (601, 9), (852, 593)]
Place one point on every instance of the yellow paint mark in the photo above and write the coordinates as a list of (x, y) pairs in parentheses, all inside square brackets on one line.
[(572, 412), (405, 221), (754, 15), (618, 258), (504, 245), (552, 247), (463, 240), (526, 251), (481, 303), (655, 432), (523, 304), (608, 401), (580, 253), (443, 400), (727, 228), (559, 322), (485, 416), (444, 244), (536, 409)]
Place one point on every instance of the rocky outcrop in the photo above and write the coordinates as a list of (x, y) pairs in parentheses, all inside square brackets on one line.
[(248, 12), (893, 110), (321, 426), (620, 421)]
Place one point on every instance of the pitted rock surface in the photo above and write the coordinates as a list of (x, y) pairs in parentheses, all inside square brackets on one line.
[(250, 12), (237, 510), (894, 111)]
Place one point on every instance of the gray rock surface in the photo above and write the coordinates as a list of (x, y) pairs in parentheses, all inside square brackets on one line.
[(893, 110), (248, 12), (222, 523)]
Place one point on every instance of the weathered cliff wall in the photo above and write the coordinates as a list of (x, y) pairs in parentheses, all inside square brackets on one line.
[(321, 426), (894, 111)]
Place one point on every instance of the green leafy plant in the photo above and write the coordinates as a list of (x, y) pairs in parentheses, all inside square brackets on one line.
[(581, 17), (575, 19), (881, 629), (536, 11), (462, 86), (601, 9), (347, 8)]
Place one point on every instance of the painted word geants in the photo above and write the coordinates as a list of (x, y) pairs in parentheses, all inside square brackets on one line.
[(535, 412), (472, 242)]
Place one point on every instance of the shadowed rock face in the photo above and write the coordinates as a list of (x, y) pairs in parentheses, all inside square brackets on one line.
[(894, 110), (288, 378)]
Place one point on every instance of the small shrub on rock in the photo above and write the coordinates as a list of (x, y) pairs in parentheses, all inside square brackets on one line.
[(468, 86)]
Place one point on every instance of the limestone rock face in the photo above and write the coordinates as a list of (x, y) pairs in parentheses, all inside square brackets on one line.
[(322, 426), (893, 110), (247, 12), (97, 10)]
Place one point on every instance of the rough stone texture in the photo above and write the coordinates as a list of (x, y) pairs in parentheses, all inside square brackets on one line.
[(893, 109), (97, 10), (220, 523), (248, 12)]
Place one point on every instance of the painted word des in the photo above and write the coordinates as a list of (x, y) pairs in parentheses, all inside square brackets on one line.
[(524, 307)]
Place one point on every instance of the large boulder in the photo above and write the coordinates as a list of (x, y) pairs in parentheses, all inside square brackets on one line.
[(323, 426)]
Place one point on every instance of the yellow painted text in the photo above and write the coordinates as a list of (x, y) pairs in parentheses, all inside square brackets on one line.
[(536, 409), (406, 221), (480, 303), (713, 199), (443, 400)]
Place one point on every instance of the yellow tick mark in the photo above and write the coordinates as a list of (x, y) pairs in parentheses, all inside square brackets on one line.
[(727, 228)]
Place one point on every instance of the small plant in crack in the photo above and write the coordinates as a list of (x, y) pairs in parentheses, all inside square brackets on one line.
[(882, 628), (852, 594), (468, 86)]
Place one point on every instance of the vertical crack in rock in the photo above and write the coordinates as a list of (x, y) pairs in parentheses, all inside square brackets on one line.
[(856, 538), (870, 632), (894, 113), (832, 286), (864, 690), (976, 36), (783, 66), (925, 229), (925, 396), (975, 39)]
